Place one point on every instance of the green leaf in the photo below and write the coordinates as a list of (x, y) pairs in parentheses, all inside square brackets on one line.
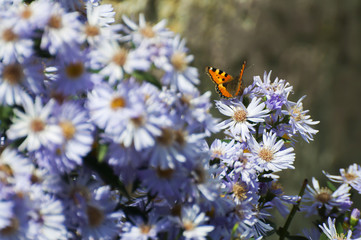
[(234, 229), (102, 150), (147, 77), (331, 186)]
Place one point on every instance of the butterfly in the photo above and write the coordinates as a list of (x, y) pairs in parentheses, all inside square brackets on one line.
[(226, 85)]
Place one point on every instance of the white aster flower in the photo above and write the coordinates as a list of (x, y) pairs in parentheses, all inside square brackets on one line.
[(116, 61), (299, 121), (351, 176), (271, 155), (192, 221), (144, 31), (330, 231), (35, 125), (323, 196), (242, 118)]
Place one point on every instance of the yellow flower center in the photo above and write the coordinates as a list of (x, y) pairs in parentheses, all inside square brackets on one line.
[(26, 13), (239, 191), (147, 31), (68, 129), (12, 228), (179, 62), (117, 102)]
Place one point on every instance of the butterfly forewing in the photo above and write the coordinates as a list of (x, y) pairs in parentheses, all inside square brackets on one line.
[(226, 85), (218, 76)]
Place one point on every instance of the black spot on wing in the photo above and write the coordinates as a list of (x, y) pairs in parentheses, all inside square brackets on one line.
[(220, 72)]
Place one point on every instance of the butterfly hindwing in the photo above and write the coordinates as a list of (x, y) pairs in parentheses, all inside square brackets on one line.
[(226, 85)]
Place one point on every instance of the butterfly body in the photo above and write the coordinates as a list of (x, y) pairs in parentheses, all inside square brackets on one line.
[(226, 85)]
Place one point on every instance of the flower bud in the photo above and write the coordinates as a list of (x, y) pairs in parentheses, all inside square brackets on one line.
[(355, 216)]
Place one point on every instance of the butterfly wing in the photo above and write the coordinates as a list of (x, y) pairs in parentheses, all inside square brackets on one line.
[(218, 76), (235, 87), (226, 85)]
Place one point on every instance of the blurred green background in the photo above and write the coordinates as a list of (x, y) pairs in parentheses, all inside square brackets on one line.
[(314, 45)]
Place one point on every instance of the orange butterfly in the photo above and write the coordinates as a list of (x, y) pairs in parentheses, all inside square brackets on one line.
[(226, 85)]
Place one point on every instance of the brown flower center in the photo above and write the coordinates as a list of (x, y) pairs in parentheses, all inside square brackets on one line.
[(325, 195), (266, 154), (240, 115), (9, 36), (95, 216), (145, 229), (91, 30), (240, 191), (26, 13), (12, 228), (165, 173), (120, 57), (37, 125), (75, 70), (179, 62), (55, 22), (13, 74), (138, 121), (147, 31), (167, 137), (350, 176)]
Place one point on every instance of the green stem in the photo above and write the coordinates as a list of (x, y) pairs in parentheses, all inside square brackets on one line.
[(282, 231)]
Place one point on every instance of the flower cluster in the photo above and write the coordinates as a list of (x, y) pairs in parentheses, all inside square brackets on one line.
[(104, 135)]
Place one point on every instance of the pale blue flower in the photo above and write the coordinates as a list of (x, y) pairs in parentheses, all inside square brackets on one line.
[(271, 155), (299, 120), (36, 125), (319, 197), (242, 119), (351, 176)]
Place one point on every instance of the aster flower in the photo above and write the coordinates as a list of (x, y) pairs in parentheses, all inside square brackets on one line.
[(72, 77), (243, 119), (276, 92), (18, 227), (46, 217), (323, 197), (114, 61), (36, 125), (193, 221), (14, 46), (17, 81), (144, 31), (108, 108), (299, 121), (99, 218), (178, 74), (351, 176), (77, 139), (61, 33), (225, 151), (163, 183), (144, 230), (330, 231), (29, 17), (271, 155), (97, 28), (15, 170)]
